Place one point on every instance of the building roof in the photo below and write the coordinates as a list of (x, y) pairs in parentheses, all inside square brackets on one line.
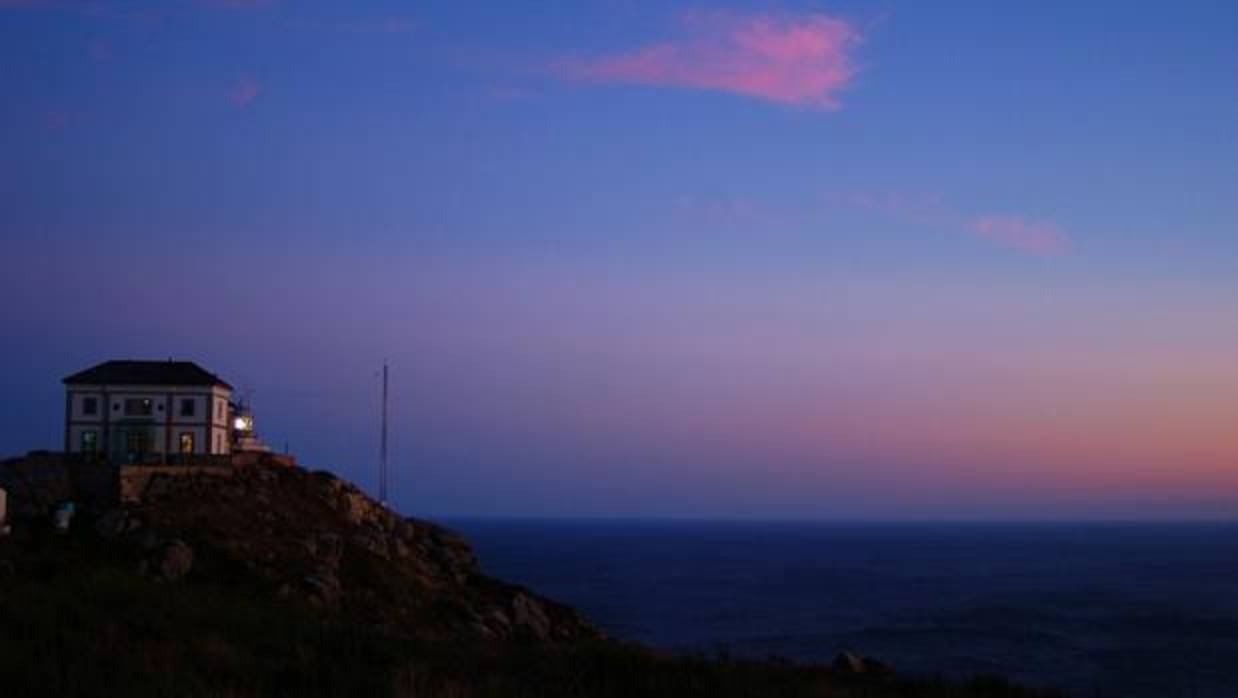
[(146, 373)]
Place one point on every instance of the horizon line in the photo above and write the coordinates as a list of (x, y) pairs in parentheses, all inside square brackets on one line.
[(822, 520)]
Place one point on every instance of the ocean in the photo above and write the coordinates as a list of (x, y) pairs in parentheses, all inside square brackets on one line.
[(1103, 610)]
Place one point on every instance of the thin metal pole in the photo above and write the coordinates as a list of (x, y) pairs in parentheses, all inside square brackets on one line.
[(382, 452)]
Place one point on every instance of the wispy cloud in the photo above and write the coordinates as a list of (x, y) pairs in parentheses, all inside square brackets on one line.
[(1017, 233), (802, 60), (1038, 238), (923, 208), (244, 92)]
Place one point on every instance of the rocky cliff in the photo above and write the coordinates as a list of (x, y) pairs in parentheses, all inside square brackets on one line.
[(311, 538), (277, 581)]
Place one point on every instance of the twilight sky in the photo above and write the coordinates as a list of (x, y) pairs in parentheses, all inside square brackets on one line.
[(853, 259)]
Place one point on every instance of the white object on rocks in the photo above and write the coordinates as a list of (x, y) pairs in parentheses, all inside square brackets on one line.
[(62, 517)]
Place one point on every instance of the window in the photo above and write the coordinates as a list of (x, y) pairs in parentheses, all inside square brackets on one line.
[(90, 442), (138, 407), (219, 410), (90, 406), (187, 442), (135, 441), (188, 406)]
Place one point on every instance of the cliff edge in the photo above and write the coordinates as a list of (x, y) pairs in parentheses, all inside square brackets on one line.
[(311, 539), (273, 581)]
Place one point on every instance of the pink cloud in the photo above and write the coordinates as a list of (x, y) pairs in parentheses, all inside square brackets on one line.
[(1039, 238), (931, 211), (244, 92), (802, 60), (921, 208)]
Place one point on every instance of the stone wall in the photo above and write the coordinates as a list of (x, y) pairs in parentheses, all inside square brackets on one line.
[(135, 480), (41, 480), (241, 459)]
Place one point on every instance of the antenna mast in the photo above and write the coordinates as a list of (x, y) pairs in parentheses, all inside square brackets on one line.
[(382, 449)]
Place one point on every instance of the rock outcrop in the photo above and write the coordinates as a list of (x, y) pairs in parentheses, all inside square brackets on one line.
[(847, 662), (312, 538), (279, 581)]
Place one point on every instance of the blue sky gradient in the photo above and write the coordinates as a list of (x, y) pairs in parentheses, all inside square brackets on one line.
[(989, 270)]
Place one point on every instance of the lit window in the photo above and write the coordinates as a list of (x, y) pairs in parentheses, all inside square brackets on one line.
[(188, 406), (90, 441), (138, 407), (187, 442), (90, 405)]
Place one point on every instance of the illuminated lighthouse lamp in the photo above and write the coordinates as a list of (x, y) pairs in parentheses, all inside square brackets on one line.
[(243, 437), (243, 423)]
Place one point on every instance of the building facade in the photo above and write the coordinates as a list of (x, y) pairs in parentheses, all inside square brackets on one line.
[(142, 411)]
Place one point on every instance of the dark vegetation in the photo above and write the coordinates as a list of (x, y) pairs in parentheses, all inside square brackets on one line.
[(100, 613)]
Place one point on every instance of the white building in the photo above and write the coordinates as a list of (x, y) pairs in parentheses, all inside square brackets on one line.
[(134, 411)]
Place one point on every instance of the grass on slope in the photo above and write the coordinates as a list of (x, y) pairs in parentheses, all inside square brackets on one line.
[(101, 630)]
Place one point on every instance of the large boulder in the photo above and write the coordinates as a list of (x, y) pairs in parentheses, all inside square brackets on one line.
[(175, 560)]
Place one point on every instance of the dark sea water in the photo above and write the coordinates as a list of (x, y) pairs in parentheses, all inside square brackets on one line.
[(1139, 610)]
